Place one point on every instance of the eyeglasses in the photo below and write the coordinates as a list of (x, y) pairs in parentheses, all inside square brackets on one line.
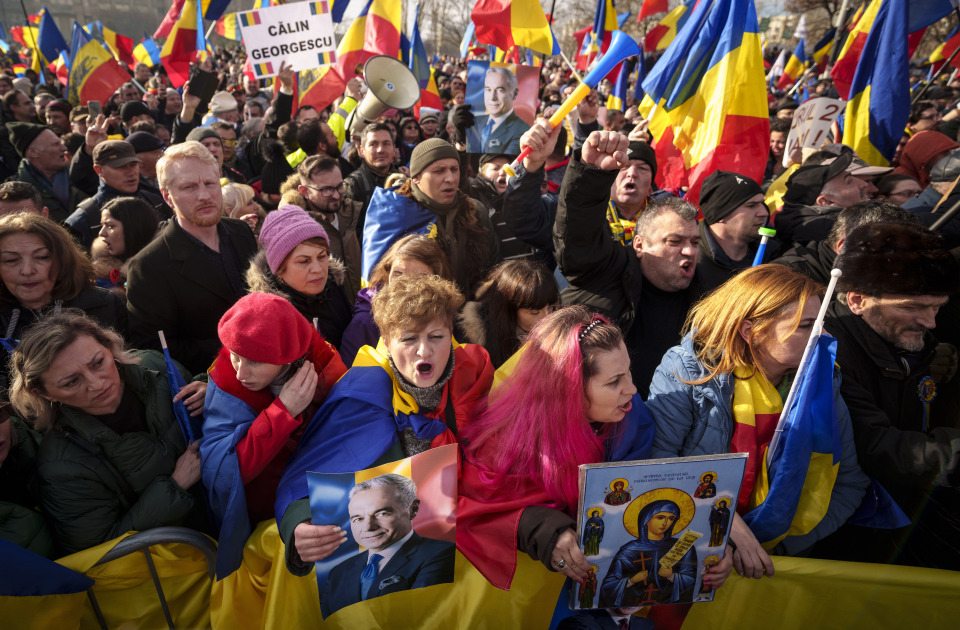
[(327, 191)]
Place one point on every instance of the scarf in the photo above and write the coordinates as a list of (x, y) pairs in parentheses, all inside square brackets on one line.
[(756, 410), (622, 229), (427, 397)]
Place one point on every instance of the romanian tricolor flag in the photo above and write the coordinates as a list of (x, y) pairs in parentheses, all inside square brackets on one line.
[(94, 73), (618, 97), (263, 69), (389, 217), (942, 52), (663, 34), (227, 27), (706, 101), (796, 65), (325, 58), (182, 44), (429, 95), (875, 119), (26, 36), (119, 45), (19, 69), (49, 39), (381, 35), (822, 50), (147, 52), (39, 592), (791, 493), (508, 23), (846, 64)]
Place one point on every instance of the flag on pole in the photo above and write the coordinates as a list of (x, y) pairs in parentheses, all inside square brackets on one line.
[(638, 93), (181, 45), (49, 39), (507, 23), (801, 31), (618, 96), (422, 71), (119, 45), (469, 39), (875, 119), (791, 492), (147, 52), (776, 71), (663, 34), (227, 27), (822, 50), (94, 74), (794, 69), (706, 101), (337, 9), (382, 33)]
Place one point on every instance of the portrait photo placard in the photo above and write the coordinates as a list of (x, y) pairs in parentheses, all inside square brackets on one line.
[(503, 100)]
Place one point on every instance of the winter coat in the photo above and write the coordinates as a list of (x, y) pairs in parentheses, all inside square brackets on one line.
[(58, 212), (84, 501), (20, 520), (172, 286), (362, 330), (698, 420), (919, 465), (331, 308)]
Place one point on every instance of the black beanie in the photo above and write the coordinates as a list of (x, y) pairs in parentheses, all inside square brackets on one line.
[(639, 150), (276, 169), (23, 134), (723, 192), (896, 258)]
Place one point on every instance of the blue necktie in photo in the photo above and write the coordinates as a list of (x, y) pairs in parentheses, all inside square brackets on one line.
[(369, 575), (486, 134)]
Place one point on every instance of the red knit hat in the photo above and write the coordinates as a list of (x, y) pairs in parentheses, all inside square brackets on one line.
[(265, 328)]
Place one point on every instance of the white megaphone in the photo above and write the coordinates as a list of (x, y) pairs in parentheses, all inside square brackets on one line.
[(390, 85)]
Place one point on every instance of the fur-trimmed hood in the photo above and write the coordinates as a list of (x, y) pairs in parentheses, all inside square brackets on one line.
[(261, 280), (473, 322)]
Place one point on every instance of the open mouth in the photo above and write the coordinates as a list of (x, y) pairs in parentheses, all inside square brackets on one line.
[(425, 368), (627, 407), (629, 187), (687, 268)]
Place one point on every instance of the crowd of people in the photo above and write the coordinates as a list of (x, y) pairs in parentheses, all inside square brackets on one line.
[(627, 322)]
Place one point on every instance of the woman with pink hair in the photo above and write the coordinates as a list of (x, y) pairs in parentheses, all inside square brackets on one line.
[(569, 401)]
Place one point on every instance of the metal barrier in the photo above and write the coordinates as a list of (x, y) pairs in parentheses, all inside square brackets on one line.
[(142, 541)]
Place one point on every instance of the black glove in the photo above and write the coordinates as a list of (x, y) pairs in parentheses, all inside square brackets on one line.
[(462, 118)]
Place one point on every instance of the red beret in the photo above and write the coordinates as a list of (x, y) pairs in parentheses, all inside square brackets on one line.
[(265, 328)]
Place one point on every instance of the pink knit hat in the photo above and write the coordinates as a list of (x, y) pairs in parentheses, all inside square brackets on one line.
[(284, 229)]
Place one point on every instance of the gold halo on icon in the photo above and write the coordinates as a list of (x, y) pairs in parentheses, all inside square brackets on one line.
[(726, 501), (711, 473), (711, 561), (589, 510), (594, 568), (614, 482), (683, 500)]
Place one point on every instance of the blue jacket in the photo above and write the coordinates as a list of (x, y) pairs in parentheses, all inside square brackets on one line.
[(698, 420)]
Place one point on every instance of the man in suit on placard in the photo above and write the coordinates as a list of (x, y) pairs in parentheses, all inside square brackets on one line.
[(606, 619), (502, 129), (381, 511)]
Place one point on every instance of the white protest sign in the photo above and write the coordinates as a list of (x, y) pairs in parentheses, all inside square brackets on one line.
[(300, 33), (810, 126)]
